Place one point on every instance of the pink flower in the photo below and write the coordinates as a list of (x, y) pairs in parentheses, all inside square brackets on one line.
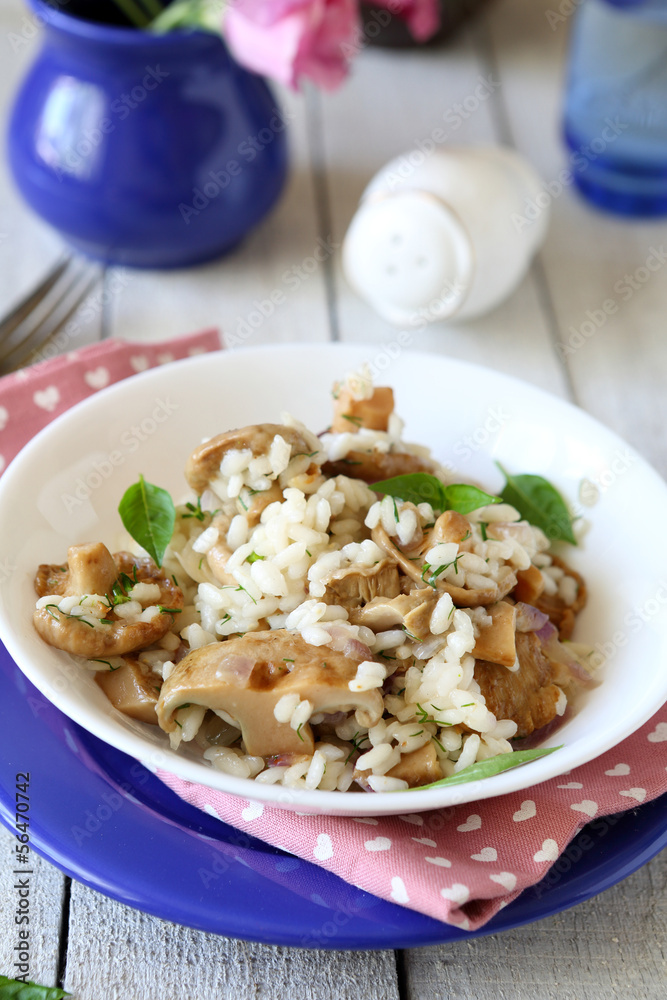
[(422, 16), (291, 39)]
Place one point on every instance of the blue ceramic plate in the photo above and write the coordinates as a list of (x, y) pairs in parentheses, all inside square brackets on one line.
[(105, 820)]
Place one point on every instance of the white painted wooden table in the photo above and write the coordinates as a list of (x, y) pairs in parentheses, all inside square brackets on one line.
[(614, 945)]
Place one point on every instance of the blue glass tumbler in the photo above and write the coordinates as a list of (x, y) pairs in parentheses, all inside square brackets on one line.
[(615, 119)]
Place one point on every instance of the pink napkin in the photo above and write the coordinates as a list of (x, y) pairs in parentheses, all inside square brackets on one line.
[(460, 865), (31, 397)]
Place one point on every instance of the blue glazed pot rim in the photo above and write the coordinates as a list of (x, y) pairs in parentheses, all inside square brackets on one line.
[(54, 14)]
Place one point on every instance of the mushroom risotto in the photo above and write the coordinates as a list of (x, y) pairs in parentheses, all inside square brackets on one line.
[(331, 612)]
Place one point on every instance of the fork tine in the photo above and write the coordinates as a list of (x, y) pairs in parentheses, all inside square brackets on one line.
[(21, 311), (52, 323)]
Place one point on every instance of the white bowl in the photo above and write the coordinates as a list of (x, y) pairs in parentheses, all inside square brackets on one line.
[(65, 485)]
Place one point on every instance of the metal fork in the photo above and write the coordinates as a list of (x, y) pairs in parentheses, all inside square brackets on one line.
[(45, 310)]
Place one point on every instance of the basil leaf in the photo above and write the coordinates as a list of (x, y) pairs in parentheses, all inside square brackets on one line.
[(415, 487), (420, 487), (464, 498), (149, 515), (14, 989), (540, 504), (487, 768)]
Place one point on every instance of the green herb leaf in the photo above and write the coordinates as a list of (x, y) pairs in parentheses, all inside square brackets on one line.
[(465, 498), (149, 515), (487, 768), (540, 504), (414, 487), (420, 487), (14, 989)]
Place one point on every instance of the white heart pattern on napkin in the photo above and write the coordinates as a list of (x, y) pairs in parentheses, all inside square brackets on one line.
[(139, 363), (398, 891), (414, 819), (323, 849), (473, 822), (47, 399), (486, 854), (98, 378), (425, 841), (659, 734), (639, 794), (548, 851), (587, 806), (457, 893), (379, 844), (527, 811), (4, 418), (572, 784), (506, 879), (441, 862), (619, 770), (252, 811)]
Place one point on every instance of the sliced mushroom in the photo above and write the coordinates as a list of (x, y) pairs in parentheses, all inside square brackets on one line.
[(411, 610), (89, 572), (528, 696), (204, 462), (450, 526), (350, 414), (246, 678), (357, 585), (420, 767), (497, 642), (373, 466), (417, 620), (132, 689), (529, 585), (90, 569), (461, 596)]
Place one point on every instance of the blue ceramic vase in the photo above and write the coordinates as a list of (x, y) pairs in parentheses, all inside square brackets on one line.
[(144, 150)]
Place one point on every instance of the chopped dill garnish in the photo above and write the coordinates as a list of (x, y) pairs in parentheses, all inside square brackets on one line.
[(253, 557)]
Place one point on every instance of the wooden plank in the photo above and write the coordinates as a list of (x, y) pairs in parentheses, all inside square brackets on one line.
[(45, 897), (612, 333), (278, 259), (116, 953), (609, 948), (406, 96)]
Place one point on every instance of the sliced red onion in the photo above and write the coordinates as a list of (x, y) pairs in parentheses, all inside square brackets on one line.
[(528, 618), (557, 651)]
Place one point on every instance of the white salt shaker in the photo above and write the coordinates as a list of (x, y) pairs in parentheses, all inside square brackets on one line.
[(447, 237)]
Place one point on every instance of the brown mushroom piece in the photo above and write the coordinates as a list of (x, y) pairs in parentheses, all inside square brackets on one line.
[(529, 585), (350, 414), (497, 641), (420, 767), (132, 689), (528, 696), (373, 466), (463, 597), (245, 678), (384, 613), (357, 585), (203, 464), (92, 570)]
